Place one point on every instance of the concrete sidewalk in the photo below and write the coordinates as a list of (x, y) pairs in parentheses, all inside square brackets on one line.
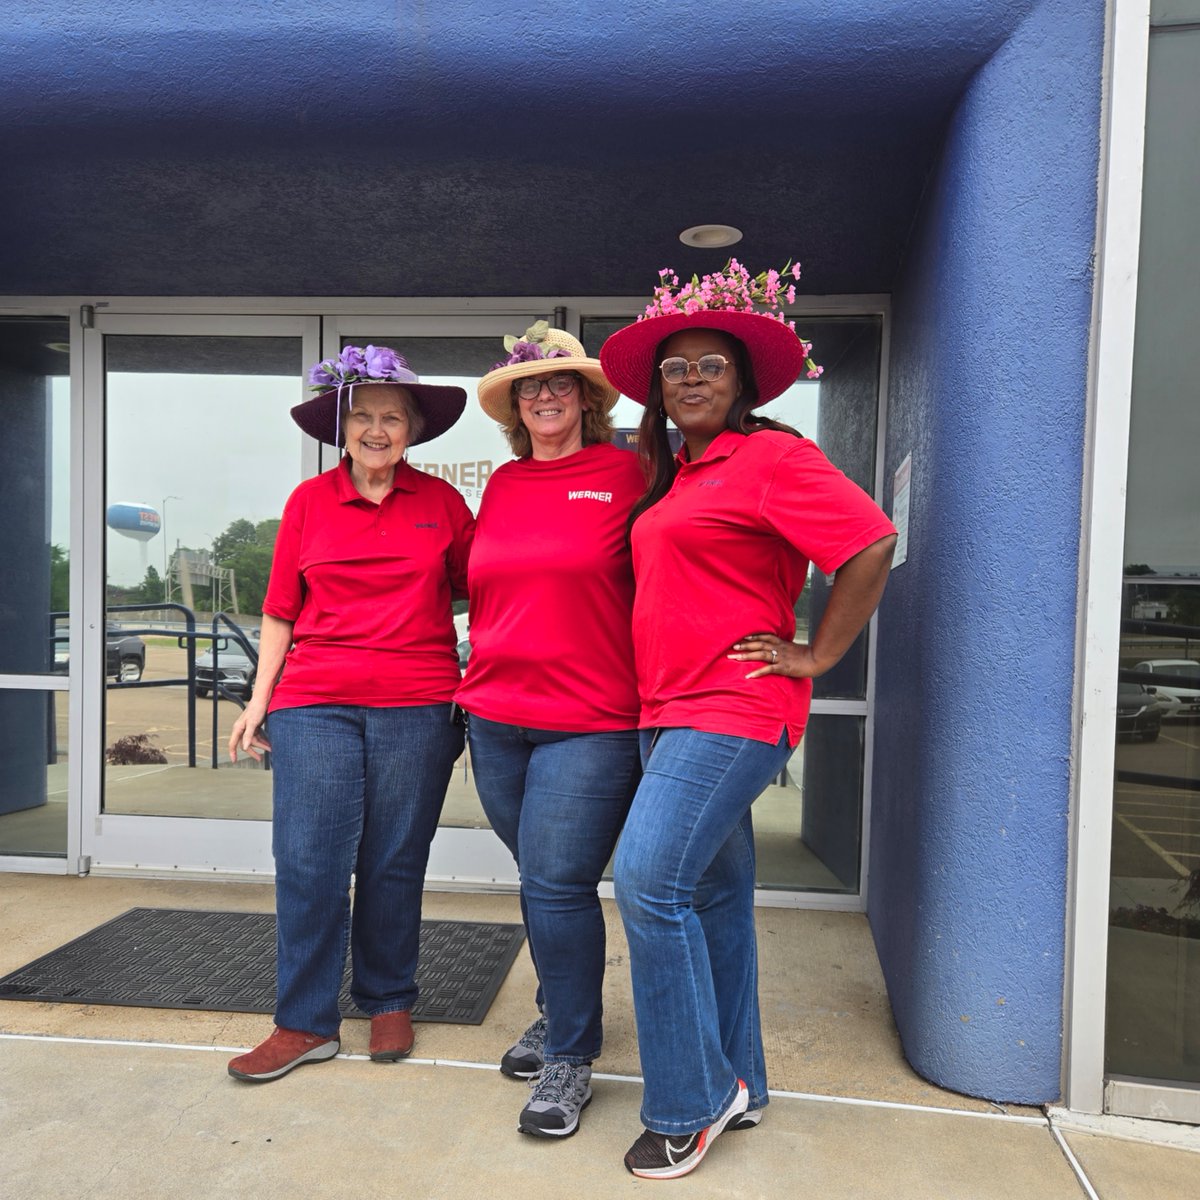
[(120, 1102)]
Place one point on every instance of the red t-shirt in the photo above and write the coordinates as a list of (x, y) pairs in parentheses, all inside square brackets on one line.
[(551, 594), (724, 554), (368, 587)]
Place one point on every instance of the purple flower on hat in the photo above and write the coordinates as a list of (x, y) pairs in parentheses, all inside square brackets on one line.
[(529, 352), (357, 364), (380, 362), (322, 375)]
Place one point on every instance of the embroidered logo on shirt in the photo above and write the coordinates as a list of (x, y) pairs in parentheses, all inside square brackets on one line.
[(425, 524), (711, 483), (603, 497)]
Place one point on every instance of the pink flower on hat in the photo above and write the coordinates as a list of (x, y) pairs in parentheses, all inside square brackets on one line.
[(731, 289)]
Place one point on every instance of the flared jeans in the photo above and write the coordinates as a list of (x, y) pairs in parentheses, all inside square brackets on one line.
[(684, 880)]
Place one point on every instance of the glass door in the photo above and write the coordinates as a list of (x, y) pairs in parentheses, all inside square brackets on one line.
[(1152, 1016), (808, 825), (198, 455), (36, 663), (458, 351)]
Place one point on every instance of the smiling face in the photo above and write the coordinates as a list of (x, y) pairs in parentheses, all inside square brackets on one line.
[(699, 406), (555, 423), (377, 427)]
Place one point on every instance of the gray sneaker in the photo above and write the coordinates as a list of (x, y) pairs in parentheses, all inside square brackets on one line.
[(524, 1059), (560, 1094)]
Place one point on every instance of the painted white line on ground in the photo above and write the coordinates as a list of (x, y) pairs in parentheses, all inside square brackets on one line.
[(1084, 1182), (1152, 845), (906, 1107), (478, 1066)]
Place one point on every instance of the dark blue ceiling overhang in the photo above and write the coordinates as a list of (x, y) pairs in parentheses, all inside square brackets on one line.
[(480, 148)]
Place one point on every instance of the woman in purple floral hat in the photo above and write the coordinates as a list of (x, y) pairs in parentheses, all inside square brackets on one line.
[(357, 669)]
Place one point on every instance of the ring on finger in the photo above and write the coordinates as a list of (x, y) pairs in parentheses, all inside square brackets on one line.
[(774, 656)]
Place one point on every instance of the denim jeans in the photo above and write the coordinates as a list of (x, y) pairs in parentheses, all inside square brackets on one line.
[(557, 801), (684, 878), (359, 790)]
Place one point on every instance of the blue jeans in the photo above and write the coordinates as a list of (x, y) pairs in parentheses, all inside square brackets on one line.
[(684, 877), (359, 790), (557, 801)]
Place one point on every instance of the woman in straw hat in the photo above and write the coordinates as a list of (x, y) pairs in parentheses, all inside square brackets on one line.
[(722, 542), (357, 668), (550, 689)]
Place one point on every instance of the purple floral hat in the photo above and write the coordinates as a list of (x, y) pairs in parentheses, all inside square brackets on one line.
[(366, 366)]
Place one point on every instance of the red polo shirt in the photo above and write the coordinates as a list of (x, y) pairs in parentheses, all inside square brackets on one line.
[(551, 594), (725, 554), (368, 588)]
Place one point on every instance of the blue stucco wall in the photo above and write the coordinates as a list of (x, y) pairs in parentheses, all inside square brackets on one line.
[(976, 635), (376, 148)]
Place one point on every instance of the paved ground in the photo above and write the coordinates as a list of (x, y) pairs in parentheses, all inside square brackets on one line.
[(130, 1103)]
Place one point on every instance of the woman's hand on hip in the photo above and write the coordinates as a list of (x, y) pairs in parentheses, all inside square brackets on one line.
[(792, 659)]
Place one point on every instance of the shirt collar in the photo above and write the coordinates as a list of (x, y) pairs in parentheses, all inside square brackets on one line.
[(404, 480), (722, 446)]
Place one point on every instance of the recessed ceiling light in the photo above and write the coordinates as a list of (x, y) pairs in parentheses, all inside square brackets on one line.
[(709, 237)]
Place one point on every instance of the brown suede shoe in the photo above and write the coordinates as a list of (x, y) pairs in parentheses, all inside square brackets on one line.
[(283, 1050), (391, 1036)]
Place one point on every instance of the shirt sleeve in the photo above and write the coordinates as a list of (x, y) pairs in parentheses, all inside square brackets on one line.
[(811, 504), (285, 588), (463, 526)]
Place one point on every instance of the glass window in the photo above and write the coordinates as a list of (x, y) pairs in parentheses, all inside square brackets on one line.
[(200, 457), (1153, 1006), (464, 456), (35, 473), (33, 784), (808, 824), (35, 477)]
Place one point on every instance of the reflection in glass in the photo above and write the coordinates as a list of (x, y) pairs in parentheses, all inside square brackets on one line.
[(201, 455), (808, 824), (839, 413), (35, 472), (1154, 911), (33, 785), (465, 457), (1153, 1015)]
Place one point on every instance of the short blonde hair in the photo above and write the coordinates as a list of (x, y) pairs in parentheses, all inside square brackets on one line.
[(597, 419)]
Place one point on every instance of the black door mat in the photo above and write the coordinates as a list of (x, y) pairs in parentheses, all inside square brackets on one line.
[(225, 962)]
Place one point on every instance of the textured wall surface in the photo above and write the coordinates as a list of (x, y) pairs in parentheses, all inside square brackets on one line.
[(420, 149), (969, 846)]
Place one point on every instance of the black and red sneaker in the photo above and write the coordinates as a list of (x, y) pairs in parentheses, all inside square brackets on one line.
[(668, 1156)]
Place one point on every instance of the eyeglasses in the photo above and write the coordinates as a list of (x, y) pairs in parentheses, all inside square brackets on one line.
[(710, 367), (530, 388)]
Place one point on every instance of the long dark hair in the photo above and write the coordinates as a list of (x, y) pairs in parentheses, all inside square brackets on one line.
[(654, 444)]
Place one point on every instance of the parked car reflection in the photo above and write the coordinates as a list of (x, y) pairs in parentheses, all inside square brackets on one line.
[(124, 653), (1162, 674), (237, 671), (1139, 714)]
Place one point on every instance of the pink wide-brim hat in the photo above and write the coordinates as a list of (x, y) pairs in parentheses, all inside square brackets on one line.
[(440, 405), (776, 353)]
